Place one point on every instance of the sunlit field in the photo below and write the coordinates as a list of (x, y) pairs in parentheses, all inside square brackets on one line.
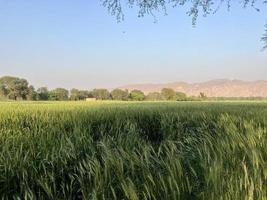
[(130, 150)]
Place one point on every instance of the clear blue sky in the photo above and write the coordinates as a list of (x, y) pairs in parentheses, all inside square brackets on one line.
[(76, 43)]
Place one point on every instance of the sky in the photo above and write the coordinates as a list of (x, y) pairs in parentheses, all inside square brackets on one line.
[(78, 44)]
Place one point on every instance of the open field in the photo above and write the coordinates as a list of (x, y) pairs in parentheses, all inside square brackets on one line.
[(115, 150)]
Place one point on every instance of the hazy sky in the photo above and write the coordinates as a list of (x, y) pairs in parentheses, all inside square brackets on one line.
[(76, 43)]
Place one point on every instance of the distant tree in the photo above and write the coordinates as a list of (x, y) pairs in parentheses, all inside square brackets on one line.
[(154, 96), (137, 95), (32, 94), (83, 94), (3, 91), (180, 96), (168, 94), (76, 95), (90, 94), (120, 95), (42, 94), (15, 88), (58, 94), (101, 94), (202, 96)]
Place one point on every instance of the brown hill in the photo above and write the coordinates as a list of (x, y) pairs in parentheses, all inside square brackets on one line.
[(213, 88)]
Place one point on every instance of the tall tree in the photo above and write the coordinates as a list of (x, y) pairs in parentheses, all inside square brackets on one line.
[(59, 94), (101, 94), (120, 95), (42, 94), (168, 94), (15, 88), (76, 95), (137, 95), (180, 96), (154, 96), (83, 94), (3, 91), (32, 94)]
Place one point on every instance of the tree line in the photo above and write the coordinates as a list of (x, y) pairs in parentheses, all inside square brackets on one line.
[(14, 88)]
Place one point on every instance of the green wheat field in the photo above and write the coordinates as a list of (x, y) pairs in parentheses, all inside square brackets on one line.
[(133, 151)]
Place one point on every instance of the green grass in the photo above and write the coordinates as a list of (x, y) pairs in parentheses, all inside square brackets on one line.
[(116, 150)]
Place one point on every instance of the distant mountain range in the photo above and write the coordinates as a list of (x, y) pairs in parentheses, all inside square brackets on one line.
[(213, 88)]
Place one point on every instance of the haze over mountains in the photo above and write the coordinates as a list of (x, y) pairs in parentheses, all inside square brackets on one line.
[(213, 88)]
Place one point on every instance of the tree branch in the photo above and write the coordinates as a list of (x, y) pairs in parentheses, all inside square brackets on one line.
[(264, 38), (148, 7), (206, 7)]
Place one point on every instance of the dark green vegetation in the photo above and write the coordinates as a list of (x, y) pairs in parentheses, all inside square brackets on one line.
[(190, 150), (15, 88)]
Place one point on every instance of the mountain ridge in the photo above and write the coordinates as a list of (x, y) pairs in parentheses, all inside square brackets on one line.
[(211, 88)]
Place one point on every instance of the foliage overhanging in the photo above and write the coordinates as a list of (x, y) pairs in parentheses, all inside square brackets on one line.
[(196, 7)]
